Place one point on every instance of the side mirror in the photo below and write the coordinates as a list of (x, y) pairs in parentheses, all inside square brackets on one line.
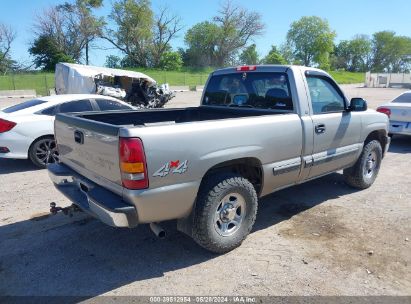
[(358, 104)]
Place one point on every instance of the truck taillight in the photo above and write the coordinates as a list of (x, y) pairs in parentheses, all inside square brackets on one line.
[(133, 165), (6, 125), (386, 111), (245, 68)]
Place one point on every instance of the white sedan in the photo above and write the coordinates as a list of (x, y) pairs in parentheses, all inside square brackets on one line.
[(399, 113), (27, 129)]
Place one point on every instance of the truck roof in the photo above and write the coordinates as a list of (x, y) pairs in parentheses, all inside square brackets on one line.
[(268, 68)]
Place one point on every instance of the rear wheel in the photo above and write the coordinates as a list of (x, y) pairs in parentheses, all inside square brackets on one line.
[(364, 172), (43, 151), (225, 212)]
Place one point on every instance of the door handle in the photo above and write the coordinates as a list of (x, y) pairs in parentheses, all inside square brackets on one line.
[(79, 137), (320, 128)]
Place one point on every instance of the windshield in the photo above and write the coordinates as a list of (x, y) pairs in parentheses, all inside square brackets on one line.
[(252, 90), (23, 105), (403, 98)]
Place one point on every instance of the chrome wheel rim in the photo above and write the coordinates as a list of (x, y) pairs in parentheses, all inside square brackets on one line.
[(371, 164), (46, 151), (229, 214)]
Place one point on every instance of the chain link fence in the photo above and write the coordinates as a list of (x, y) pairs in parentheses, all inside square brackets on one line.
[(43, 83)]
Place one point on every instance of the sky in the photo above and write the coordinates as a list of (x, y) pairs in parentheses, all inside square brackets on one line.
[(346, 17)]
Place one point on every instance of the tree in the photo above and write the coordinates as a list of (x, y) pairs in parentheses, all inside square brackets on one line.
[(80, 17), (166, 27), (171, 61), (7, 36), (132, 34), (47, 53), (218, 42), (274, 57), (202, 41), (113, 62), (71, 27), (249, 55), (391, 53), (237, 27), (353, 55), (311, 41)]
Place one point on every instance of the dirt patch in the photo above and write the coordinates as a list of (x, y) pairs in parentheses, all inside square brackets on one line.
[(319, 224)]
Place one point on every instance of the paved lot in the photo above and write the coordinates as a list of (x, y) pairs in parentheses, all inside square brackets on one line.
[(319, 238)]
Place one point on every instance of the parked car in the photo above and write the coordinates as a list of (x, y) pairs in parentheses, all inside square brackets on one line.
[(258, 129), (27, 131), (399, 113)]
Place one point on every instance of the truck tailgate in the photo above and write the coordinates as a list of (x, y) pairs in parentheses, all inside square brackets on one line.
[(90, 148)]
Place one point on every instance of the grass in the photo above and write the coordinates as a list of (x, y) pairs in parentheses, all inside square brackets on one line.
[(43, 82), (343, 77)]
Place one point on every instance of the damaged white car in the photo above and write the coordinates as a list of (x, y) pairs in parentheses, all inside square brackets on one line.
[(134, 88)]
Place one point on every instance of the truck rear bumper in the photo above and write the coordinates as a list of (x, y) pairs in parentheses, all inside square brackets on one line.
[(92, 198)]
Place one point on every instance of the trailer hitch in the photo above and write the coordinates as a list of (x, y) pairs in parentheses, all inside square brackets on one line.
[(66, 210)]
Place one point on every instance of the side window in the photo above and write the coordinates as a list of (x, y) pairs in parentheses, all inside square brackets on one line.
[(325, 98), (109, 105), (49, 111), (76, 106)]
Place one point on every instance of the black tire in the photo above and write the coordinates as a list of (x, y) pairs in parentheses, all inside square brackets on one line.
[(212, 215), (46, 144), (364, 172)]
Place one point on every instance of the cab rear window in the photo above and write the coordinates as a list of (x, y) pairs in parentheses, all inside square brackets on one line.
[(252, 90), (23, 105)]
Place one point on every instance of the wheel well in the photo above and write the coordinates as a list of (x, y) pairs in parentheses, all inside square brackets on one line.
[(249, 168), (379, 135)]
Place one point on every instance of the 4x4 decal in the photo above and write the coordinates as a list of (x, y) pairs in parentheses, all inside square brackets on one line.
[(172, 167)]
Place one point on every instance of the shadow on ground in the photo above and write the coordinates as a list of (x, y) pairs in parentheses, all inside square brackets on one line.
[(400, 144), (16, 165), (80, 256)]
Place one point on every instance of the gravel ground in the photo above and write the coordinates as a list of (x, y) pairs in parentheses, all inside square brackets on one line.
[(318, 238)]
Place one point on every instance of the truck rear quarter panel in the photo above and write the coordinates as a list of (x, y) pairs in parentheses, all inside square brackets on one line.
[(270, 139)]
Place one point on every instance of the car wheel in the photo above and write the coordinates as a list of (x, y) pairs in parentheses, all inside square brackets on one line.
[(364, 172), (43, 151), (225, 212)]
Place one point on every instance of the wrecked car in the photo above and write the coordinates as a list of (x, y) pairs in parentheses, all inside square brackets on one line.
[(136, 88)]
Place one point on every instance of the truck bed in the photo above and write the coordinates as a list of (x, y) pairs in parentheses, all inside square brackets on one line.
[(171, 116)]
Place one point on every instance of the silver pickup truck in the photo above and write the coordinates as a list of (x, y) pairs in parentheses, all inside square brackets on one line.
[(258, 129)]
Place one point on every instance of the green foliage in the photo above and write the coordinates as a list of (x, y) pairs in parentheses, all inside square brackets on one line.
[(352, 55), (47, 54), (133, 32), (390, 52), (274, 57), (218, 42), (113, 62), (311, 41), (249, 55), (171, 61), (202, 41)]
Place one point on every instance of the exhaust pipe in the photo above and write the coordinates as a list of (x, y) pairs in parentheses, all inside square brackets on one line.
[(158, 230)]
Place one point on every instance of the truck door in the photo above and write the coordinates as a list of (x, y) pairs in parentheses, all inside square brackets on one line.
[(336, 131)]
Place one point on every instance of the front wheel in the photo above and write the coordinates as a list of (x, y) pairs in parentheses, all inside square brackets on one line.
[(364, 172), (225, 212), (43, 151)]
